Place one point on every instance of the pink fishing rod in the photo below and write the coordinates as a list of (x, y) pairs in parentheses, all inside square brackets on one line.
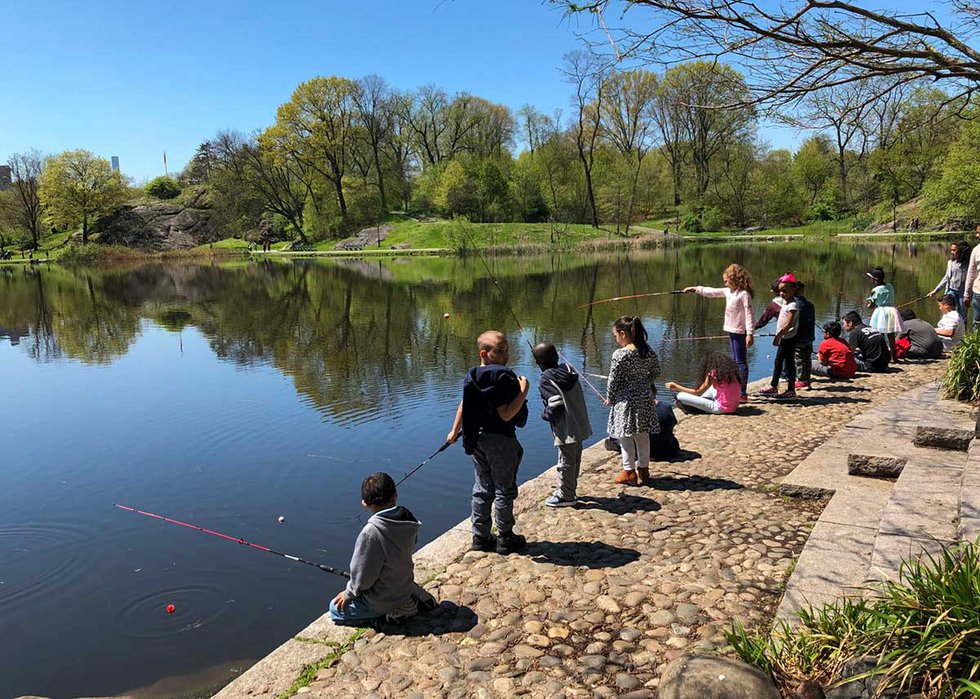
[(631, 296), (716, 337), (237, 540)]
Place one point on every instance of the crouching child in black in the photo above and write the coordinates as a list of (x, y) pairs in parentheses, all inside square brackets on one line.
[(494, 405), (564, 409), (382, 573)]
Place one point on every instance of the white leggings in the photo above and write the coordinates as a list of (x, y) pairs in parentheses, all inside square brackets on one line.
[(707, 402), (638, 445)]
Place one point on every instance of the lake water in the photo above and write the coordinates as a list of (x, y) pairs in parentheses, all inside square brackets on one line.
[(228, 394)]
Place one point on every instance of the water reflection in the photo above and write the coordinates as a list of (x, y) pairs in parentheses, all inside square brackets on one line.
[(227, 394)]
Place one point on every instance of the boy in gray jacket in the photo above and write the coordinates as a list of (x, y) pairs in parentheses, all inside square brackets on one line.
[(564, 409), (382, 574)]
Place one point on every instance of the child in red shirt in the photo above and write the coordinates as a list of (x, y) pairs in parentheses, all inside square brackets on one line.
[(835, 358)]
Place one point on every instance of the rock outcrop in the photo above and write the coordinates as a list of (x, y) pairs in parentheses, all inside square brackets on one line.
[(162, 226)]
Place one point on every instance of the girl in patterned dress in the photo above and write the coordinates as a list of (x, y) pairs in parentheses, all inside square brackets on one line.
[(631, 397), (886, 319)]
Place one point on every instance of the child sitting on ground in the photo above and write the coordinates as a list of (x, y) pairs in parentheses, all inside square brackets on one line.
[(494, 405), (950, 327), (835, 358), (564, 409), (382, 574), (718, 390), (924, 342), (870, 347)]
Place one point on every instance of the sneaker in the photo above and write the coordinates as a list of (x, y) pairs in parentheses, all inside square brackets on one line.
[(785, 395), (510, 543), (802, 384), (771, 391), (626, 478), (555, 501), (484, 543), (643, 476)]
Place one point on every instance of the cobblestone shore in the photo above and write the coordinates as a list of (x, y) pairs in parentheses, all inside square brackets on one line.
[(608, 592)]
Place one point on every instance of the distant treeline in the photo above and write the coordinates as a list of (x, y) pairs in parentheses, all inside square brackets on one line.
[(634, 146)]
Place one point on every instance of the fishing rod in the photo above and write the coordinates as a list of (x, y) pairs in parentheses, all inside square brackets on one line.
[(520, 327), (909, 303), (324, 568), (445, 446), (632, 296), (717, 337)]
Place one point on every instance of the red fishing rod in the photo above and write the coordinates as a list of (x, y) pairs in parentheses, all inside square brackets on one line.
[(238, 540), (631, 296)]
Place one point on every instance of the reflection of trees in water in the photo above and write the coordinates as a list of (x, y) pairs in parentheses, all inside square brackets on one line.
[(363, 338)]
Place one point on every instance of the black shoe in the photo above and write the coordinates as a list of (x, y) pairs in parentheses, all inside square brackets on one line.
[(510, 543), (611, 444), (484, 543)]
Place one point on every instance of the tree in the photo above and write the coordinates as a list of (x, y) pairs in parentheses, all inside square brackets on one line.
[(813, 166), (77, 186), (626, 114), (373, 102), (26, 208), (956, 192), (701, 90), (163, 188), (792, 49), (198, 170), (586, 75), (316, 128)]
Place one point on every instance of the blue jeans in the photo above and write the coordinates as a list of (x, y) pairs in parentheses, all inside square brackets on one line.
[(737, 341), (495, 463), (975, 302), (356, 610)]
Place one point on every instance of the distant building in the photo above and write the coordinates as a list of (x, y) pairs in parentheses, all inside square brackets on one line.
[(115, 163), (5, 177)]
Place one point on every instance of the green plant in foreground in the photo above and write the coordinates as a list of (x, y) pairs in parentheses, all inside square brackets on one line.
[(924, 630), (961, 378)]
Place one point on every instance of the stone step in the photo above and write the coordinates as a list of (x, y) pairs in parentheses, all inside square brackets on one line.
[(871, 524), (969, 506)]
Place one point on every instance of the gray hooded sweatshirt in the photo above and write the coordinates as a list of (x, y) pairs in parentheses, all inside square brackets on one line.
[(382, 571)]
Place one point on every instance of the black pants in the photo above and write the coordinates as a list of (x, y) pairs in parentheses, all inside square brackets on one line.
[(785, 361)]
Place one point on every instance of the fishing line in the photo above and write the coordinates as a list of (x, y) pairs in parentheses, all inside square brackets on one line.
[(257, 547), (520, 327), (718, 337)]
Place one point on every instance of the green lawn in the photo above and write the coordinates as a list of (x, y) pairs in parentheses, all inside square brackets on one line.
[(819, 229), (436, 234)]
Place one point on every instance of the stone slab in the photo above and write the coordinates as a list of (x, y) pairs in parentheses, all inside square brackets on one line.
[(892, 549), (943, 437), (835, 560), (874, 466)]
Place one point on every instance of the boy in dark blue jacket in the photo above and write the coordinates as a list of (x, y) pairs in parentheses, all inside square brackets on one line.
[(494, 405), (565, 411)]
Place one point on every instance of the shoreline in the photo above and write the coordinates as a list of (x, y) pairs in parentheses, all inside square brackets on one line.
[(641, 576), (654, 241)]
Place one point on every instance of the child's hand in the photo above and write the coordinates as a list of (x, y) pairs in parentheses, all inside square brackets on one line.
[(670, 386), (452, 437), (340, 601), (689, 289), (605, 402), (523, 383), (749, 341)]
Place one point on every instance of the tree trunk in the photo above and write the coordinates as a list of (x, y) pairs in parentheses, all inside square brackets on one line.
[(338, 183), (85, 229), (588, 189)]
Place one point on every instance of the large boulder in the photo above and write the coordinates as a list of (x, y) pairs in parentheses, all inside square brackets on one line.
[(163, 226), (714, 677)]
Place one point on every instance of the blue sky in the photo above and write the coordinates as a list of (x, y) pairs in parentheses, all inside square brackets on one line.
[(140, 77)]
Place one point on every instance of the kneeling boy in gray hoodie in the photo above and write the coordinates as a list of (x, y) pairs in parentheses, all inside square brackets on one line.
[(564, 409), (382, 580)]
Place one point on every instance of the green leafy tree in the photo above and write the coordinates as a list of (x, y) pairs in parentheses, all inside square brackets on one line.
[(956, 192), (813, 166), (163, 188), (77, 187), (26, 210)]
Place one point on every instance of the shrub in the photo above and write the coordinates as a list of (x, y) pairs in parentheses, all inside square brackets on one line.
[(961, 378), (92, 253), (712, 219), (691, 223), (924, 630), (162, 188)]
